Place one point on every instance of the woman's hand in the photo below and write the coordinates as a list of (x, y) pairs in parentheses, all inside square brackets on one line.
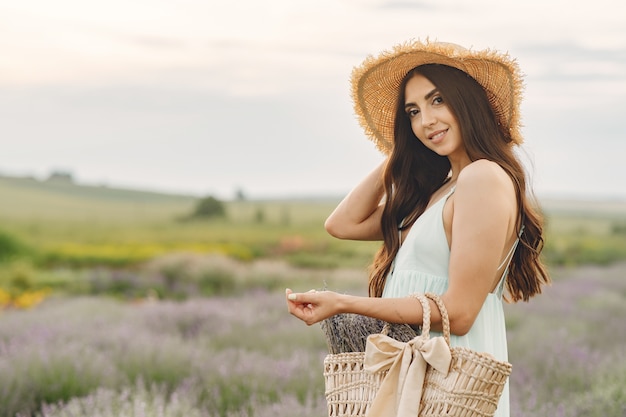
[(313, 306)]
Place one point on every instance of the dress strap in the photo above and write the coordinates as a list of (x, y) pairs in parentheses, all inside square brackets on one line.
[(508, 255), (507, 260), (441, 201), (393, 263)]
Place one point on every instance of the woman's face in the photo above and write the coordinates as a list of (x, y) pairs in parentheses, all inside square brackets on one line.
[(431, 119)]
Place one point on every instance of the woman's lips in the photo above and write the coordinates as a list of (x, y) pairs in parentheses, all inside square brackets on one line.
[(437, 136)]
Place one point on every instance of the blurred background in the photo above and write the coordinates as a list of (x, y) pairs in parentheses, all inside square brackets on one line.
[(206, 97), (166, 169)]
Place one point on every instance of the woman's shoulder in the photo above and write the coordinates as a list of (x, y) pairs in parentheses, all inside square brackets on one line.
[(485, 196), (482, 173), (485, 183)]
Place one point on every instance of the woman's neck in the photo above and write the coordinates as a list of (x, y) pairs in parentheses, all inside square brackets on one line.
[(457, 165)]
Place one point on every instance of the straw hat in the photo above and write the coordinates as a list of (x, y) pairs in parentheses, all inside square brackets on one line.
[(376, 82)]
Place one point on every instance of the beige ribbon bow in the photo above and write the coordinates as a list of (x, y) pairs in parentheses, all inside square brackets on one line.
[(400, 392)]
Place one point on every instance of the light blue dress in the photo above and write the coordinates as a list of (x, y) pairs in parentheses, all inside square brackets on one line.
[(421, 265)]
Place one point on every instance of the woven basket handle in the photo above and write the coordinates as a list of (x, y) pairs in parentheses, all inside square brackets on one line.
[(445, 320), (426, 315)]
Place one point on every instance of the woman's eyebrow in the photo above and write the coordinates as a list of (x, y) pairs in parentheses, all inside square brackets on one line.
[(430, 94), (426, 97)]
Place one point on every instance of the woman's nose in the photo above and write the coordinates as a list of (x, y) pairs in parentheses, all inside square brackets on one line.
[(428, 118)]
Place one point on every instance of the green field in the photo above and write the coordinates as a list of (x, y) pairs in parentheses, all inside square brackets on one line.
[(61, 224), (53, 235)]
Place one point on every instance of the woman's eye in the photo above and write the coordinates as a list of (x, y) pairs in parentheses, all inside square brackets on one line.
[(412, 112), (437, 100)]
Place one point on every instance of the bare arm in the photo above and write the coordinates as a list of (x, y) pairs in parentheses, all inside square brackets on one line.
[(482, 220), (483, 229), (314, 306), (358, 215)]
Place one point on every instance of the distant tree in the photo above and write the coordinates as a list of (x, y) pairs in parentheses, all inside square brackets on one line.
[(10, 247), (240, 195), (61, 176), (208, 207), (259, 215), (618, 229)]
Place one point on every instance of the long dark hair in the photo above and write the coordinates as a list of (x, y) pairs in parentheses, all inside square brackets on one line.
[(414, 173)]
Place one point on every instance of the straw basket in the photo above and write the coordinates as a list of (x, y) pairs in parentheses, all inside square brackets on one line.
[(472, 387)]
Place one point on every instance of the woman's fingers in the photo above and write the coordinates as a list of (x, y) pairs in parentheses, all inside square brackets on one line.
[(304, 306), (301, 297)]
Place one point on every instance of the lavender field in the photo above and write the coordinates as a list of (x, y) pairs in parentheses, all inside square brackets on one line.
[(244, 356)]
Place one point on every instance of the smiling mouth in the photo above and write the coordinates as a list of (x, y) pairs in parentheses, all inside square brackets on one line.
[(437, 135)]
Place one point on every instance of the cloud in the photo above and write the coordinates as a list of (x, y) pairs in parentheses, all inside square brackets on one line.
[(571, 61), (406, 5)]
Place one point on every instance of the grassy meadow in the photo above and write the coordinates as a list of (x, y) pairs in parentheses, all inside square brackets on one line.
[(112, 305)]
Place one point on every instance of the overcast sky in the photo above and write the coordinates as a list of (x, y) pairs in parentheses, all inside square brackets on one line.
[(207, 97)]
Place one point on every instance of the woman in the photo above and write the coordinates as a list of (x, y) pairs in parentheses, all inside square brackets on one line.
[(450, 202)]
